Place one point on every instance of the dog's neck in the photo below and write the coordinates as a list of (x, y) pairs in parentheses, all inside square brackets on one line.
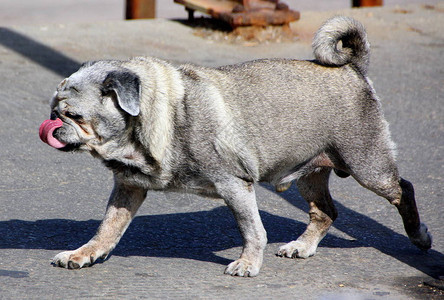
[(132, 164)]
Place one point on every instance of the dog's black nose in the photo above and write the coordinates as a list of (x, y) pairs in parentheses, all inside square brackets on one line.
[(54, 115)]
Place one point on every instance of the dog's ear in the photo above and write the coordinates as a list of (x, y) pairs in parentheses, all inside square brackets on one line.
[(126, 86)]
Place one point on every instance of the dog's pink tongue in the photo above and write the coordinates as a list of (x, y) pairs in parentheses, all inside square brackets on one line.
[(46, 130)]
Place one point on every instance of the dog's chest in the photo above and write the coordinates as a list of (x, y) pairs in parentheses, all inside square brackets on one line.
[(134, 175)]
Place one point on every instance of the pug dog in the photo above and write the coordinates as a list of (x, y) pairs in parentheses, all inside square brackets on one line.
[(218, 131)]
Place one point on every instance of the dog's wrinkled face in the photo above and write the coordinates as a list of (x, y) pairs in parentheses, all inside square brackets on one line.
[(91, 107)]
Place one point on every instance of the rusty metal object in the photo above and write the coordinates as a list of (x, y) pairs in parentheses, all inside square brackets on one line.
[(243, 12), (140, 9), (359, 3)]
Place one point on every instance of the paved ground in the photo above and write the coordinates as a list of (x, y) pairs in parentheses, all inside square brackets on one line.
[(178, 245)]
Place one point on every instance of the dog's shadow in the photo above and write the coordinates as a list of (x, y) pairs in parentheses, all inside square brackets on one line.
[(193, 235), (200, 235)]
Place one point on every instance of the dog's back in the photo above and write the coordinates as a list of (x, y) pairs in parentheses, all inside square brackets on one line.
[(330, 94)]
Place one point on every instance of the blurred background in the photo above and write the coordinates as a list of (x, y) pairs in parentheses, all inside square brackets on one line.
[(40, 12)]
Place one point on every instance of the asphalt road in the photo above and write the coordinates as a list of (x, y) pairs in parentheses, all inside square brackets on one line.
[(179, 244)]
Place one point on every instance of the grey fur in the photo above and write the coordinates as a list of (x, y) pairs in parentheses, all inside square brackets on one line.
[(218, 131), (355, 47)]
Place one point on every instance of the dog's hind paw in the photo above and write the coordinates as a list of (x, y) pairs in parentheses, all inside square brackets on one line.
[(422, 239), (297, 249), (243, 268)]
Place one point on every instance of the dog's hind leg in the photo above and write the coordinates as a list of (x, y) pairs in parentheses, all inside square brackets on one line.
[(381, 176), (416, 230), (314, 188), (371, 162)]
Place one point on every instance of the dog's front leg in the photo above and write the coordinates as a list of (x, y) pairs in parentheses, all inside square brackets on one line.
[(122, 206), (241, 199)]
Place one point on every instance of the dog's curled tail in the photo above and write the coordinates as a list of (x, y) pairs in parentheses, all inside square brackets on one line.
[(355, 47)]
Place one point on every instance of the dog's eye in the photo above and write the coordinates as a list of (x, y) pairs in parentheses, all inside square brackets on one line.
[(74, 89), (73, 116)]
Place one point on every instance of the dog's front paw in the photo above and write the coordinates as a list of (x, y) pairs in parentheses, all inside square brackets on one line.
[(242, 267), (76, 259), (297, 249)]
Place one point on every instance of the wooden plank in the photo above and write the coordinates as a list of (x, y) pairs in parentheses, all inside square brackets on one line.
[(211, 7)]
